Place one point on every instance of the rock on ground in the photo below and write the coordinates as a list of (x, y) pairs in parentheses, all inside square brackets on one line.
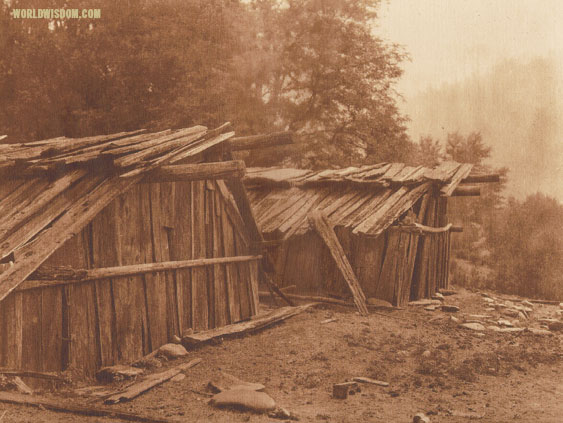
[(244, 399), (421, 418), (172, 351), (118, 372), (473, 326)]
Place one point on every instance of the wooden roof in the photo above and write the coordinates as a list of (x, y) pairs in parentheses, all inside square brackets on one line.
[(51, 189), (365, 199)]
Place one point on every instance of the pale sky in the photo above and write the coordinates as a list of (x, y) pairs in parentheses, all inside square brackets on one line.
[(449, 39), (452, 40)]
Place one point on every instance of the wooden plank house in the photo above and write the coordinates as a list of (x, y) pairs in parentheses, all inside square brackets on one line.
[(111, 245), (390, 220)]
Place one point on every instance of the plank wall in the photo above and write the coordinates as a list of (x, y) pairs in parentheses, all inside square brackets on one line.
[(396, 266), (88, 325)]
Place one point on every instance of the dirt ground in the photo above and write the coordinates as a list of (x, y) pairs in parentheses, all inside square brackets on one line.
[(432, 365)]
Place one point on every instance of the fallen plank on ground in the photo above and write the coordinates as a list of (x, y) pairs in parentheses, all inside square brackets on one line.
[(256, 323), (137, 388), (64, 407), (329, 300)]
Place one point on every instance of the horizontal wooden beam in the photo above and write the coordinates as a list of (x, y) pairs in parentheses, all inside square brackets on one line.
[(417, 227), (84, 275), (261, 141), (456, 228), (467, 191), (199, 171), (237, 329), (474, 179)]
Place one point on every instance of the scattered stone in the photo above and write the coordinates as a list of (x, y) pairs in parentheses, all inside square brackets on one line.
[(488, 300), (426, 354), (172, 351), (480, 334), (150, 363), (448, 292), (178, 378), (510, 312), (479, 316), (176, 339), (561, 306), (421, 418), (511, 330), (547, 321), (282, 414), (450, 308), (376, 302), (555, 326), (327, 321), (244, 399), (454, 319), (425, 302), (117, 373), (535, 331), (490, 309), (438, 296), (527, 304), (473, 326), (494, 328), (370, 381), (340, 390), (504, 322), (522, 316), (432, 308), (225, 382)]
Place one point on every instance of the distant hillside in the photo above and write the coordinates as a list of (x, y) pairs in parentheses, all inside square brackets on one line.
[(517, 107)]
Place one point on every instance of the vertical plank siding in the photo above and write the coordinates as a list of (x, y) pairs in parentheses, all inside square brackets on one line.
[(98, 323), (396, 266)]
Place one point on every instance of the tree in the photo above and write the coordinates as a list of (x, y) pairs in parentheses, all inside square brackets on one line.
[(327, 77)]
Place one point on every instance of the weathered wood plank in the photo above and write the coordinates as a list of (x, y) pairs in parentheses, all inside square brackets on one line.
[(259, 322), (231, 273), (128, 291), (196, 172), (261, 141), (76, 217), (104, 253), (220, 296), (200, 305), (149, 382), (323, 228), (65, 407)]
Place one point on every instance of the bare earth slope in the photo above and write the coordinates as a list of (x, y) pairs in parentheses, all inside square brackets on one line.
[(432, 365)]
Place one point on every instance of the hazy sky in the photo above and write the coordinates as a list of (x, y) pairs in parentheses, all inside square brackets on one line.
[(449, 39)]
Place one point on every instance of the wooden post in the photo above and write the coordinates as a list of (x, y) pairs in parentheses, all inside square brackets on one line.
[(321, 224)]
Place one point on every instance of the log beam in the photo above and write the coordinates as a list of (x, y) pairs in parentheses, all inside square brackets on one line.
[(485, 178), (55, 277), (195, 172), (467, 191), (321, 224), (261, 141), (456, 229)]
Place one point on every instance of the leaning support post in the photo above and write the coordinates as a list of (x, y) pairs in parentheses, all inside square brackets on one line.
[(321, 224)]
